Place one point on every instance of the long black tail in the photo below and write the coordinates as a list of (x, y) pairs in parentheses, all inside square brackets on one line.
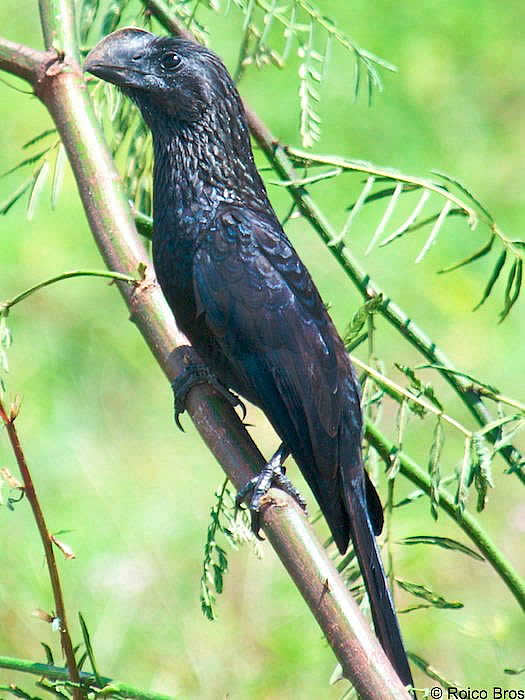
[(381, 605)]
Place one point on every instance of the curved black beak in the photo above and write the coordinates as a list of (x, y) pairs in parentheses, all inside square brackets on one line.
[(119, 58)]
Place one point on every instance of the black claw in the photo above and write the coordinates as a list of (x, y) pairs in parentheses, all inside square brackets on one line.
[(192, 375), (177, 421), (181, 385), (243, 408), (256, 524), (180, 391)]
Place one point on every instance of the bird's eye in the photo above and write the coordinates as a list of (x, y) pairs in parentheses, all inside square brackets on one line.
[(170, 61)]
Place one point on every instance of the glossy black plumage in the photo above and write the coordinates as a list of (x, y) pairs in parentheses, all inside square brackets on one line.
[(240, 292)]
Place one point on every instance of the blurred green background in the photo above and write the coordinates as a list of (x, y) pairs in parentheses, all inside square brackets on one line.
[(96, 418)]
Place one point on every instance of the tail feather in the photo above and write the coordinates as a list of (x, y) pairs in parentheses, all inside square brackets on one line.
[(381, 604)]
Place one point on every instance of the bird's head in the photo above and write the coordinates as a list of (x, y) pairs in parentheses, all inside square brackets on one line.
[(189, 101), (167, 75)]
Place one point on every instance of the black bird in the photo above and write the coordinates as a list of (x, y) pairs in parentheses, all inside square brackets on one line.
[(241, 294)]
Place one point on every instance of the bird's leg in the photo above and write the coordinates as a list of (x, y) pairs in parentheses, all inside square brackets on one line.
[(199, 373), (272, 474)]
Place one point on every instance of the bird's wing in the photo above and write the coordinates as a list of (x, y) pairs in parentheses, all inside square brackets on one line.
[(260, 303)]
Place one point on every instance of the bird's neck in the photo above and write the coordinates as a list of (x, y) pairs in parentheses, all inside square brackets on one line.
[(200, 166)]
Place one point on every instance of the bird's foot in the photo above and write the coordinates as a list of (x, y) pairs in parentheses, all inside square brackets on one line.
[(192, 375), (272, 474)]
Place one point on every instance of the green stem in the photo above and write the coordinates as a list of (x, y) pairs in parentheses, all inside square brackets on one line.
[(398, 393), (382, 172), (500, 398), (6, 305), (465, 520), (481, 388), (208, 602), (56, 673), (57, 18)]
